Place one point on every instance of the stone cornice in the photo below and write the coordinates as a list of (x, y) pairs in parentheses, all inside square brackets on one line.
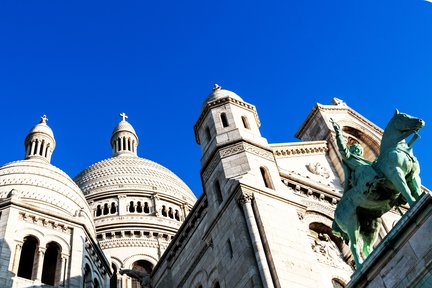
[(300, 148), (220, 102), (232, 149), (319, 107)]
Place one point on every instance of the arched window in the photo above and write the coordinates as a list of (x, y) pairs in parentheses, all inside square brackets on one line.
[(106, 209), (113, 208), (27, 258), (224, 120), (141, 266), (96, 283), (113, 279), (131, 207), (245, 122), (164, 211), (216, 285), (177, 215), (170, 213), (98, 210), (87, 279), (139, 208), (218, 192), (146, 208), (266, 177), (51, 264), (230, 249)]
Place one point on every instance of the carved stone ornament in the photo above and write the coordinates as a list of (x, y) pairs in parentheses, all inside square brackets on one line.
[(245, 198), (318, 169)]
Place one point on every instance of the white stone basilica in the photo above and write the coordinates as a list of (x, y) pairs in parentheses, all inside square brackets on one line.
[(263, 219)]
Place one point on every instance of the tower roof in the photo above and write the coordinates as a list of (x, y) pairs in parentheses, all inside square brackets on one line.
[(124, 140), (219, 93), (40, 141)]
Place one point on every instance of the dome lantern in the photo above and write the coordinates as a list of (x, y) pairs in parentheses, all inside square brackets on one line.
[(40, 142), (124, 140)]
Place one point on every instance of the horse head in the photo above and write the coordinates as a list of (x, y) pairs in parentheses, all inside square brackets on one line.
[(400, 126), (406, 123)]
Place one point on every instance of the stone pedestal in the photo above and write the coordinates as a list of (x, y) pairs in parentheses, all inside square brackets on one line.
[(404, 257)]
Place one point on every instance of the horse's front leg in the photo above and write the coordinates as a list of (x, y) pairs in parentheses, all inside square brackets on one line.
[(397, 177), (414, 181), (354, 235)]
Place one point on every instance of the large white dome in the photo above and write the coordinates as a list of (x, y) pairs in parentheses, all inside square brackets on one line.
[(132, 173), (45, 187)]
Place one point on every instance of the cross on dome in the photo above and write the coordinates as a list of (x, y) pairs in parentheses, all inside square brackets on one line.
[(216, 87), (124, 116), (44, 119)]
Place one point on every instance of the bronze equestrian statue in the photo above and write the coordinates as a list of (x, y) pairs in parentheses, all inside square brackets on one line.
[(373, 188)]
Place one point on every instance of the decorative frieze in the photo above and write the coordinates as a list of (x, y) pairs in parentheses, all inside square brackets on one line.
[(45, 222)]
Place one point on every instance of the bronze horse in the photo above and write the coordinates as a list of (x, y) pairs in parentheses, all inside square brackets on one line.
[(392, 179)]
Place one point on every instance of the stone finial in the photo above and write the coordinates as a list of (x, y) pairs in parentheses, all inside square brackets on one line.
[(44, 119), (216, 87), (124, 116), (338, 102)]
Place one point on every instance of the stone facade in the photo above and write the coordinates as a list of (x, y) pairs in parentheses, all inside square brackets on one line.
[(263, 220)]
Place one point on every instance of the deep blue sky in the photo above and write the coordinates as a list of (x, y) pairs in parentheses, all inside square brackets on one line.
[(84, 62)]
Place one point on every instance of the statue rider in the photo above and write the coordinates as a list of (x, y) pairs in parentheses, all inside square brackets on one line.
[(352, 158)]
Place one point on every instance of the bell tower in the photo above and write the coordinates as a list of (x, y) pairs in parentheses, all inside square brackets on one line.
[(232, 147)]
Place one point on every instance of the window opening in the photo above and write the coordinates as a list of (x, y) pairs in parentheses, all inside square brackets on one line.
[(27, 258)]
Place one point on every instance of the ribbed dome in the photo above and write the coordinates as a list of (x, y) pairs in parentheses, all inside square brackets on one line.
[(42, 128), (129, 172), (124, 126), (46, 188), (219, 93)]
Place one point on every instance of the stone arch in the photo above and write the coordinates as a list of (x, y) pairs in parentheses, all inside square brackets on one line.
[(214, 281), (371, 145), (51, 269), (128, 262), (199, 279), (65, 247)]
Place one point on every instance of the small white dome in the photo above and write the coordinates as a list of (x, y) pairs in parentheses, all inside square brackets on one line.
[(219, 93)]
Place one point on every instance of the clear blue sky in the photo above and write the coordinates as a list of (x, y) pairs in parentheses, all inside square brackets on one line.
[(83, 62)]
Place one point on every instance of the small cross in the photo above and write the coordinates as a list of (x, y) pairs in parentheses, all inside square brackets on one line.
[(123, 115), (44, 119), (216, 87)]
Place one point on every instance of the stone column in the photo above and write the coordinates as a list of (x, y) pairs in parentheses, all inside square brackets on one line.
[(63, 270), (41, 255), (17, 258), (245, 201), (156, 199)]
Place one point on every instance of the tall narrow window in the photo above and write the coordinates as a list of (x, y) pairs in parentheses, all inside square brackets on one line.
[(113, 208), (87, 280), (96, 283), (170, 213), (106, 209), (224, 120), (50, 263), (131, 207), (218, 192), (245, 122), (27, 258), (113, 280), (164, 211), (207, 134), (266, 178), (216, 285), (98, 211), (139, 207), (146, 208), (230, 249)]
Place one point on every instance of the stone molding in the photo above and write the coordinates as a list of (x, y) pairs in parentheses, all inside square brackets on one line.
[(40, 221), (233, 150), (245, 198), (303, 148)]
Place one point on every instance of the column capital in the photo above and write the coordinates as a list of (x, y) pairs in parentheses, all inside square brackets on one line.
[(245, 197)]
